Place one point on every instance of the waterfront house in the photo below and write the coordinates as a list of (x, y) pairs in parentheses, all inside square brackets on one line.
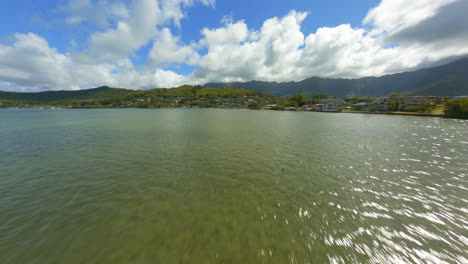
[(418, 100), (316, 108), (333, 102), (359, 106), (333, 105), (329, 108), (378, 108), (290, 108), (382, 100), (269, 106)]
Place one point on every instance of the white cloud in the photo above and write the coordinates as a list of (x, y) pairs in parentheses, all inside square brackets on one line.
[(139, 28), (99, 13), (392, 16), (167, 50), (234, 53), (130, 34), (232, 33), (30, 64), (280, 52)]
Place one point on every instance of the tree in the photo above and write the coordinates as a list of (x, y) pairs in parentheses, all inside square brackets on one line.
[(396, 105), (394, 95), (291, 104), (254, 106), (319, 97), (299, 100), (352, 100), (457, 108), (426, 106), (278, 107)]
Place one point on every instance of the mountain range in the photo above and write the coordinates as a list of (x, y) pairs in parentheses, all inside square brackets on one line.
[(446, 80)]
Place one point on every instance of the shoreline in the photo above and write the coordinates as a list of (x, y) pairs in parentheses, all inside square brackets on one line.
[(397, 114), (350, 112)]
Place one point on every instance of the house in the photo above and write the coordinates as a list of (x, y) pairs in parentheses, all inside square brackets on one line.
[(382, 100), (304, 108), (269, 106), (333, 102), (316, 108), (332, 105), (290, 108), (330, 108), (378, 108), (417, 100), (359, 106)]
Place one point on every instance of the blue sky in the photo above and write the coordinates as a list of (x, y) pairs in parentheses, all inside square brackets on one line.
[(143, 44), (43, 17)]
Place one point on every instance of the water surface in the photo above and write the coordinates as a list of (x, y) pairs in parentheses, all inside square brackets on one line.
[(231, 186)]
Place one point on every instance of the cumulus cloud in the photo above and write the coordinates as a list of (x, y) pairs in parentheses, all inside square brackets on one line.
[(139, 28), (233, 33), (130, 34), (99, 13), (30, 64), (402, 36), (166, 49), (234, 53), (396, 36), (393, 16)]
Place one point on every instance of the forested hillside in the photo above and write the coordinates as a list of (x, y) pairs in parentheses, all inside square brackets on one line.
[(446, 80)]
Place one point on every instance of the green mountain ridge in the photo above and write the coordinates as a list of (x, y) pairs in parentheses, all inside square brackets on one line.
[(450, 86), (100, 93), (407, 82), (447, 80), (107, 97)]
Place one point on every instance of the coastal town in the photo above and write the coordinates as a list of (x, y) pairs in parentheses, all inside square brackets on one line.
[(392, 104), (206, 97)]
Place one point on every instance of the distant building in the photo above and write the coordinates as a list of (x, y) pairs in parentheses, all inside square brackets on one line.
[(359, 106), (334, 102), (378, 108), (382, 100), (290, 108), (269, 106), (417, 100), (316, 108), (332, 105), (330, 108)]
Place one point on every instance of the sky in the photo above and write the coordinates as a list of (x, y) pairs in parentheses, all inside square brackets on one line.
[(144, 44)]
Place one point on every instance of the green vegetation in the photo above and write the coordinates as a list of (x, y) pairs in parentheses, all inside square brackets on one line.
[(278, 107), (254, 106), (319, 97), (394, 95), (100, 93), (105, 97), (396, 105), (297, 100), (445, 80), (449, 86), (207, 97), (352, 100), (457, 108)]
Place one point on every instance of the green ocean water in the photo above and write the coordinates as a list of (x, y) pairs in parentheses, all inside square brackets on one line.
[(231, 186)]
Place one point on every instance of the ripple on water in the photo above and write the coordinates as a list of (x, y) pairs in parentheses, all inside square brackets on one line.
[(209, 186)]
